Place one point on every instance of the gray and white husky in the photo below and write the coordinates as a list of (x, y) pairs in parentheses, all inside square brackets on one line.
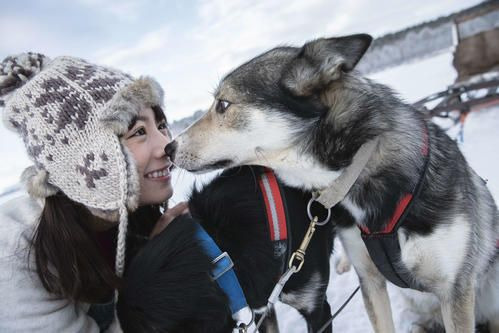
[(305, 112)]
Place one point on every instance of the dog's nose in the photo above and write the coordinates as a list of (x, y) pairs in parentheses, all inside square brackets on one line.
[(171, 149)]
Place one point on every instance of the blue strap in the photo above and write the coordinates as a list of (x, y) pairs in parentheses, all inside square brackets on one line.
[(222, 272)]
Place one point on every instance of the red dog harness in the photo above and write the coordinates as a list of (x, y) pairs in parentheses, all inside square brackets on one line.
[(383, 246), (277, 217)]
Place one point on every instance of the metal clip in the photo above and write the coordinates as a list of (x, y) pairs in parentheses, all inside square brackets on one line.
[(299, 255)]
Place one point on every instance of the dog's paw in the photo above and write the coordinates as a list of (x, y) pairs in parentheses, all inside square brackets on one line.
[(342, 264)]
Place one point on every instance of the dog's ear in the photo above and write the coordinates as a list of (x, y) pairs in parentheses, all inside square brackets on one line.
[(322, 61)]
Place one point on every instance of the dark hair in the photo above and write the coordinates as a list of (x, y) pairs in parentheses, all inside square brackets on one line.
[(69, 261), (159, 115)]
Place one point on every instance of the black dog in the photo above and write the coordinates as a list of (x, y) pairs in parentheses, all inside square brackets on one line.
[(232, 210), (167, 280), (168, 287)]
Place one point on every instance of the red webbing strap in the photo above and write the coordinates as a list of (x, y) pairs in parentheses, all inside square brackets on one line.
[(274, 206), (406, 199)]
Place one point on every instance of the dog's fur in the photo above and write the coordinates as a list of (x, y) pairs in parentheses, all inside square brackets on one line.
[(231, 210), (167, 287), (305, 112)]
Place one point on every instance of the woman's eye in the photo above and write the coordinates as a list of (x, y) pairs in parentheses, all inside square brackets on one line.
[(222, 105), (140, 131), (163, 127)]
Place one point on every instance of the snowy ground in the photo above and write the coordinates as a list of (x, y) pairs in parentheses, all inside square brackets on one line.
[(413, 81)]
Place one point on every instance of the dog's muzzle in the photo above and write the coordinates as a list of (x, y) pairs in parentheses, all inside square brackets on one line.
[(171, 150)]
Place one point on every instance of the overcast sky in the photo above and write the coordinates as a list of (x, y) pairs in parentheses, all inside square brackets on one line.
[(189, 45)]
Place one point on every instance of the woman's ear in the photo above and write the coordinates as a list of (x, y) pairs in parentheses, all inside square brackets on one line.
[(322, 61)]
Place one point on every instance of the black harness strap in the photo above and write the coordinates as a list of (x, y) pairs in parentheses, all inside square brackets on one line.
[(383, 246)]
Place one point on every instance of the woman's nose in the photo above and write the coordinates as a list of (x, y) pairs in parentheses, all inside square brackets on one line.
[(161, 141)]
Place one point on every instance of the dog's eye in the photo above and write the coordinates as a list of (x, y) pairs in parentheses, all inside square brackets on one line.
[(222, 105)]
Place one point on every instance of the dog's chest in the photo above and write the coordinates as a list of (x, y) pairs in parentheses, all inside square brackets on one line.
[(436, 259), (431, 260), (303, 172)]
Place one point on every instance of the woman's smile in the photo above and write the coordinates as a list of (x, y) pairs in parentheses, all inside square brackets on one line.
[(162, 174), (146, 140)]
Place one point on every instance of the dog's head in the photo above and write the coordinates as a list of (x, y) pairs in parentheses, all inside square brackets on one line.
[(263, 108), (168, 287)]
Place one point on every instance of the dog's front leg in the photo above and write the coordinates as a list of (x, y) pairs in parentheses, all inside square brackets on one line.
[(372, 283), (458, 309)]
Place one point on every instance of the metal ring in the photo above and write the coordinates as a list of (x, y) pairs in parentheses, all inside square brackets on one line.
[(319, 223)]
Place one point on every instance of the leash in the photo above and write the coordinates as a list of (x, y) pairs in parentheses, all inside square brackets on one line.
[(296, 261), (276, 292), (326, 325)]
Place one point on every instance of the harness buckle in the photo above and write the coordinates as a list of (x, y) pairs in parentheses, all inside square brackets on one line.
[(222, 264)]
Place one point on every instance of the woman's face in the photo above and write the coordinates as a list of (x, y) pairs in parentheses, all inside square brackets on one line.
[(146, 140)]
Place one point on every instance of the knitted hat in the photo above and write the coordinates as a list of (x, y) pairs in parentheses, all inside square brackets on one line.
[(70, 114)]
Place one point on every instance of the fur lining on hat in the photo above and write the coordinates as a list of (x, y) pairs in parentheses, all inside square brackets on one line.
[(132, 202), (36, 182), (133, 190), (127, 103)]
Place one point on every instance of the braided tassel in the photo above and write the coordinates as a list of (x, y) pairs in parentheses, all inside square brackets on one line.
[(121, 244)]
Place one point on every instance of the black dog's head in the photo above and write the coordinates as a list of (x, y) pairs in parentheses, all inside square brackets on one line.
[(232, 209), (232, 212), (168, 287)]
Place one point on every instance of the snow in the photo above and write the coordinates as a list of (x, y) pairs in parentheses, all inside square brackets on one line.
[(413, 82), (12, 149), (417, 80)]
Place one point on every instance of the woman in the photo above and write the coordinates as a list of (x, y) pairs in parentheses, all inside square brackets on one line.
[(96, 137)]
